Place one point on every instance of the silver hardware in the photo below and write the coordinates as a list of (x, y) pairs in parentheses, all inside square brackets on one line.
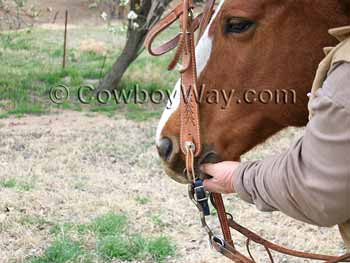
[(201, 199), (218, 240), (190, 13), (189, 145)]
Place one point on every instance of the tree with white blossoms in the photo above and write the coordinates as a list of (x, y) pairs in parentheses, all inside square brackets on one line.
[(142, 16), (10, 19)]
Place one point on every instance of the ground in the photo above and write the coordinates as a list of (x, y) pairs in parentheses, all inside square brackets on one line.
[(79, 11), (72, 167), (82, 12)]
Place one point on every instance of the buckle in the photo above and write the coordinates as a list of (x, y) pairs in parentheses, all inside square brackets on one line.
[(201, 197), (218, 241), (190, 12), (199, 190)]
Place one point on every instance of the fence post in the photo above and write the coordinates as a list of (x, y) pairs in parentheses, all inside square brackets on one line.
[(65, 41)]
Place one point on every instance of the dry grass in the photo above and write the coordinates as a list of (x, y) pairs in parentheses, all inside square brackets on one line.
[(91, 45), (81, 166)]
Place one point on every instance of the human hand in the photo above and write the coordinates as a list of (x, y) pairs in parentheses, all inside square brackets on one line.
[(222, 173)]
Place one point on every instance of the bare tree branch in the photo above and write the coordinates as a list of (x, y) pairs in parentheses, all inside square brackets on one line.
[(148, 14)]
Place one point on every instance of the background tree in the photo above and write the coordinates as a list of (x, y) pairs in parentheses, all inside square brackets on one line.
[(10, 19), (142, 16)]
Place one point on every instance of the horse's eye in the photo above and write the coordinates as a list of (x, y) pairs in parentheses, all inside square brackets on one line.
[(238, 25)]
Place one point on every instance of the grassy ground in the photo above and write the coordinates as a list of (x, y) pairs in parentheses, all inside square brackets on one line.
[(45, 229), (86, 187), (31, 67), (108, 239)]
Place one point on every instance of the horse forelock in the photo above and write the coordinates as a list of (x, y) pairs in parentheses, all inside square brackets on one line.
[(203, 52)]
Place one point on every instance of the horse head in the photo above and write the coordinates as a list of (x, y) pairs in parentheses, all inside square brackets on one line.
[(255, 64)]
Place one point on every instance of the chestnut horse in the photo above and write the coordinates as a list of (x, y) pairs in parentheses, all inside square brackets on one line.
[(249, 45)]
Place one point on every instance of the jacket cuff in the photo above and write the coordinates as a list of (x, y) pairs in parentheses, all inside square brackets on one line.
[(241, 182)]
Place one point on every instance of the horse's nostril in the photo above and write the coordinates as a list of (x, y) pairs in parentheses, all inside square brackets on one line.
[(165, 147)]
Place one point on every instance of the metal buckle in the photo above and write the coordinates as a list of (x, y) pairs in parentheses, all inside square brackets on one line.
[(201, 197), (190, 149), (201, 187), (218, 241), (190, 12)]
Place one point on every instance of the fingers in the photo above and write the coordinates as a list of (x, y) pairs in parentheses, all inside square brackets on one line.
[(212, 169), (210, 185), (214, 186), (222, 173)]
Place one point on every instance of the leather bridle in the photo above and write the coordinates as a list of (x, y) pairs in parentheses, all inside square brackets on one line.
[(190, 140)]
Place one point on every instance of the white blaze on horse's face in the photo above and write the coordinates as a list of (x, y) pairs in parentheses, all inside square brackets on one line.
[(203, 51)]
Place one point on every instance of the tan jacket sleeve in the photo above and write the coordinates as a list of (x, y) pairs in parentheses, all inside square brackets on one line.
[(311, 181)]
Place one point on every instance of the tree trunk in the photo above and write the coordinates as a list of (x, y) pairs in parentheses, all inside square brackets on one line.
[(149, 12), (128, 55)]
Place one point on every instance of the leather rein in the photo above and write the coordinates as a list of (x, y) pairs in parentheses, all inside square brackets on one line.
[(190, 140)]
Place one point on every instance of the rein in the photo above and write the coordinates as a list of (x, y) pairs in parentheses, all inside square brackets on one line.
[(190, 141)]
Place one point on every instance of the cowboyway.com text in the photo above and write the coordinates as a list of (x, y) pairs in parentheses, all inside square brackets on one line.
[(225, 98)]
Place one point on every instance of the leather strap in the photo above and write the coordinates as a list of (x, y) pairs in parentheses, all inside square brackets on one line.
[(189, 106), (207, 15), (269, 245), (219, 205), (185, 43), (230, 252), (159, 28)]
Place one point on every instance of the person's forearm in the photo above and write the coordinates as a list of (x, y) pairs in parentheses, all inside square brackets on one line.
[(313, 193), (264, 183), (311, 181)]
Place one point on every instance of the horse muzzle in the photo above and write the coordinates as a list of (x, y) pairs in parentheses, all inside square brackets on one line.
[(174, 160)]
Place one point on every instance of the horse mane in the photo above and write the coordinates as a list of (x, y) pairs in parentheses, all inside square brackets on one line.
[(345, 5)]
